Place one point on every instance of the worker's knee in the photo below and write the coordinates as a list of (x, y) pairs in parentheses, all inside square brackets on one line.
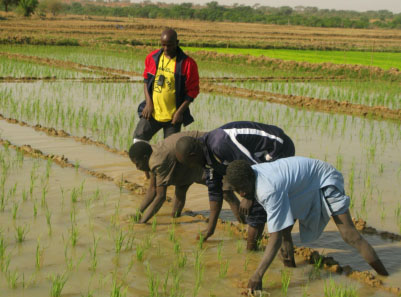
[(229, 197)]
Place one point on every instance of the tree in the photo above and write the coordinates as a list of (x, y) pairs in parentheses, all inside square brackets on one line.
[(54, 6), (28, 6), (7, 3)]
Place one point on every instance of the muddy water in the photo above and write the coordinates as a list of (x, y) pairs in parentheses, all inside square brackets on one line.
[(98, 218), (100, 214)]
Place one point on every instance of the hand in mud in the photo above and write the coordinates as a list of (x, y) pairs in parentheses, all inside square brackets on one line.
[(205, 234), (147, 111), (245, 206), (255, 283)]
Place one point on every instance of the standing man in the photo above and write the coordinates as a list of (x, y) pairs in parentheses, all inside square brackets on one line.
[(171, 84), (250, 141), (303, 189)]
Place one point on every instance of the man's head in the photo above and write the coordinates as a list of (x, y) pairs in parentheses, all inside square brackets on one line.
[(169, 42), (189, 152), (241, 177), (139, 153)]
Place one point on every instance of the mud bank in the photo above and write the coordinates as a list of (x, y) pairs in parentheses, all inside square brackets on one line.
[(322, 105)]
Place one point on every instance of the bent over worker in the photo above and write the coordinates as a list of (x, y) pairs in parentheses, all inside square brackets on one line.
[(160, 160), (297, 188), (242, 140)]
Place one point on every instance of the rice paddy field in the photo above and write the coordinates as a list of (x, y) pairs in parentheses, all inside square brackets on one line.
[(69, 194)]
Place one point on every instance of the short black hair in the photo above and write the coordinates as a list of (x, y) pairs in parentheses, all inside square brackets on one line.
[(139, 150), (238, 173), (187, 145)]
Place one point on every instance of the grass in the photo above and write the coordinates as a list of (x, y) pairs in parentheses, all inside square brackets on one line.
[(331, 289), (58, 281), (384, 60)]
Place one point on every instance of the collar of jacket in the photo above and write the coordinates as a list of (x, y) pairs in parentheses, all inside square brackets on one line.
[(181, 56)]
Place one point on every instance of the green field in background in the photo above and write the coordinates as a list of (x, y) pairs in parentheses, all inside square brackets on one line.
[(384, 60)]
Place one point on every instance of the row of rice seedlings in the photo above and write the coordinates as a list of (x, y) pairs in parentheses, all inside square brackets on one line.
[(15, 68), (130, 60), (379, 93), (328, 125)]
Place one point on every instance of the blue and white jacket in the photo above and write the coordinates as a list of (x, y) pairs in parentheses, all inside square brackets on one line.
[(244, 140)]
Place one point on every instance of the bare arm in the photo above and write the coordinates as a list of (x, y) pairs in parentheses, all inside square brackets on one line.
[(255, 282), (148, 109), (215, 208), (179, 201), (150, 194), (178, 115), (156, 204)]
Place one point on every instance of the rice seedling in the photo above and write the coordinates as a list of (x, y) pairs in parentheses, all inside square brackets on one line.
[(38, 256), (199, 270), (15, 210), (223, 269), (285, 281), (73, 234), (74, 195), (48, 220), (246, 263), (76, 165), (93, 253), (3, 247), (21, 232), (57, 284), (165, 283), (139, 252), (12, 278), (181, 260), (118, 241), (331, 289), (317, 265), (117, 289), (129, 243), (171, 233), (35, 209), (219, 249), (153, 282), (24, 195), (201, 241), (177, 247), (154, 224), (5, 263), (239, 245)]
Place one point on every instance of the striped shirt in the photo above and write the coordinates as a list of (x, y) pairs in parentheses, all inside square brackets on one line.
[(243, 140)]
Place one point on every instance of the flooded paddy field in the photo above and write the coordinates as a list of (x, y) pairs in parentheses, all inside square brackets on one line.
[(68, 200)]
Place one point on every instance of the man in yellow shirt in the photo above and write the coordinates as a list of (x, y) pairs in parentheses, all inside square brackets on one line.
[(171, 84)]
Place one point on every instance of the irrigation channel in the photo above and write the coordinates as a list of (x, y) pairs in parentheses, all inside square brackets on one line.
[(69, 194)]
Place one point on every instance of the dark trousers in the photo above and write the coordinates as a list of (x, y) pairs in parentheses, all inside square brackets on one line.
[(147, 128)]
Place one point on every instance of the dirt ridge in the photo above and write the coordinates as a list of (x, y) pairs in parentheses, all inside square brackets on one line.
[(322, 105)]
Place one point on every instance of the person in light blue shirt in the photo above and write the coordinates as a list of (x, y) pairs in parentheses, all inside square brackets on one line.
[(303, 189)]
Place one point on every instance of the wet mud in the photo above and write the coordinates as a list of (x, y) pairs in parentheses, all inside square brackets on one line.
[(306, 254)]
